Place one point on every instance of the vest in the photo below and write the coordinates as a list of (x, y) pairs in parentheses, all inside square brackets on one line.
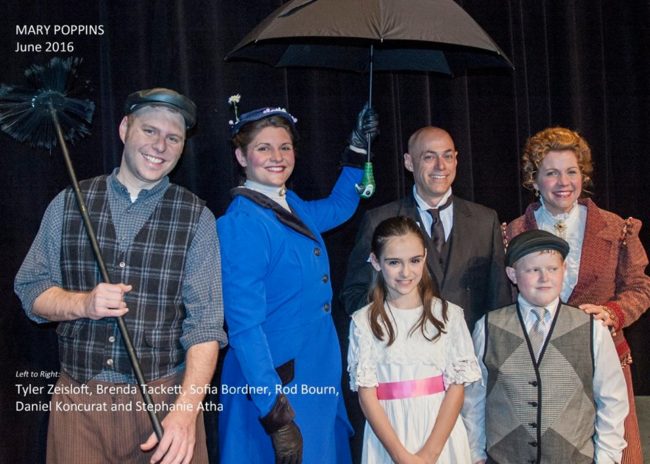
[(153, 264), (539, 412)]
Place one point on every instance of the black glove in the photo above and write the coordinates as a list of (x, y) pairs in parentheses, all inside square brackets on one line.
[(367, 127), (285, 434)]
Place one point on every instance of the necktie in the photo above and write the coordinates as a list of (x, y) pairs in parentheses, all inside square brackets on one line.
[(536, 334), (437, 231)]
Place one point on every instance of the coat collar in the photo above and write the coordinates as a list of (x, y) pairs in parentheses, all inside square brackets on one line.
[(287, 218), (597, 237)]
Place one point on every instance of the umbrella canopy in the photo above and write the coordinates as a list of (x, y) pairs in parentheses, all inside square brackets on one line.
[(419, 35), (364, 35)]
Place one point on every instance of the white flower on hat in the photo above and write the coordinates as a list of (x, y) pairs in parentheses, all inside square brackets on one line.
[(233, 100)]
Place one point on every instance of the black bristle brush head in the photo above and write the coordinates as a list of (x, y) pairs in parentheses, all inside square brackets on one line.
[(25, 112)]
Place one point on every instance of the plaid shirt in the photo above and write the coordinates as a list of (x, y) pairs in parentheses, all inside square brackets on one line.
[(121, 223)]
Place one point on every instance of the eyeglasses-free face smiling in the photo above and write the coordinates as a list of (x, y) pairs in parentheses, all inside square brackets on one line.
[(402, 264), (432, 159), (153, 140), (269, 157), (559, 181)]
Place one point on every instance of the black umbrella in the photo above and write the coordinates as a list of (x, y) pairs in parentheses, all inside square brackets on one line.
[(47, 112), (387, 35), (419, 35)]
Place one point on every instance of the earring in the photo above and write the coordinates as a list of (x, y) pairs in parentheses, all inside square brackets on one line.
[(536, 193)]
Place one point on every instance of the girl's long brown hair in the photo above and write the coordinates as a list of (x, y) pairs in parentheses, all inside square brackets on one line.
[(427, 287)]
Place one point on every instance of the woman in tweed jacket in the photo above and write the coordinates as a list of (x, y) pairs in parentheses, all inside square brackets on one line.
[(606, 266)]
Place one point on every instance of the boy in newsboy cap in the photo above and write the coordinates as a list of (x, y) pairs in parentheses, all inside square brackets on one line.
[(553, 389)]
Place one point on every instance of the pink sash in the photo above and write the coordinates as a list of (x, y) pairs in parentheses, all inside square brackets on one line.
[(410, 388)]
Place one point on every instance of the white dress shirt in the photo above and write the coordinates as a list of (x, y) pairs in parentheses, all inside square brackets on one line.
[(610, 391)]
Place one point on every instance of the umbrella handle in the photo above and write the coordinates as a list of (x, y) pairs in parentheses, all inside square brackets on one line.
[(126, 337), (367, 186), (371, 60)]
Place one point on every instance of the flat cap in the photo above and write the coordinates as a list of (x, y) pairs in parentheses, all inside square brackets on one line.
[(165, 97), (534, 240), (261, 113)]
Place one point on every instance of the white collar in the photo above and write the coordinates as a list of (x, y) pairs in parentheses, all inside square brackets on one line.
[(559, 224), (423, 205), (277, 194), (526, 307)]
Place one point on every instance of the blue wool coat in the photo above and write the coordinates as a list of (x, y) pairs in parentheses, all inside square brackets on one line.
[(277, 300)]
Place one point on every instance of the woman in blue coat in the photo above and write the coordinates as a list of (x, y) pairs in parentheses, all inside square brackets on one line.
[(280, 386)]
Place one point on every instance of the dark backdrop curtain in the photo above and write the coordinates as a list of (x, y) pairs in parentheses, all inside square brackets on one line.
[(581, 64)]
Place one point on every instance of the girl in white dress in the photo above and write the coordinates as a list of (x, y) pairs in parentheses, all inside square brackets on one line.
[(409, 364)]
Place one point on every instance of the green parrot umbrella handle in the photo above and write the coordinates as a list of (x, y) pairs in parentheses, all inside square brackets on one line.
[(367, 186)]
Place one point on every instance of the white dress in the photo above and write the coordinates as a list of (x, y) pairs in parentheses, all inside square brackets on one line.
[(413, 357)]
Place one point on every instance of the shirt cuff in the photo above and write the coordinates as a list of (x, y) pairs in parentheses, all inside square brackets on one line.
[(204, 335), (30, 296)]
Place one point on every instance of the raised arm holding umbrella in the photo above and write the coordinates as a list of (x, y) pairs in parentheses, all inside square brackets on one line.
[(283, 370)]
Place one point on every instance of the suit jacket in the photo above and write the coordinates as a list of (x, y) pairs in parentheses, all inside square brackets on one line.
[(612, 265), (475, 278)]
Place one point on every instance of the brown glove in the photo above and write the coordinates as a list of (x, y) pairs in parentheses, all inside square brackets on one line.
[(285, 434)]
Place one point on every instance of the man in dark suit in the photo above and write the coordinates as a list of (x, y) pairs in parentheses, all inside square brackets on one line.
[(465, 249)]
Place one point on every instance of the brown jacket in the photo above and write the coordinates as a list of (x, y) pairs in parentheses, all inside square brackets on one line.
[(612, 265)]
